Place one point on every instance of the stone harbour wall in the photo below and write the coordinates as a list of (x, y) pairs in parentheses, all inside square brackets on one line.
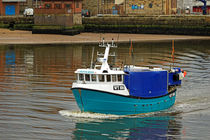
[(183, 25)]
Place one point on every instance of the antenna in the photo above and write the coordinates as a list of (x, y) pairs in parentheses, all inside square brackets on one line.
[(172, 53), (91, 65), (100, 38), (118, 38)]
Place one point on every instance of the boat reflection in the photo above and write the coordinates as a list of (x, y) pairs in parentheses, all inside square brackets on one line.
[(155, 127)]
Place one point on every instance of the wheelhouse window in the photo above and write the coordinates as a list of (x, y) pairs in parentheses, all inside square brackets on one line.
[(108, 78), (101, 78), (119, 78), (114, 79), (87, 77), (81, 77), (93, 77)]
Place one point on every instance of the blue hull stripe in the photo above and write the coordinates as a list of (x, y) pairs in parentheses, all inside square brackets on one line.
[(101, 102)]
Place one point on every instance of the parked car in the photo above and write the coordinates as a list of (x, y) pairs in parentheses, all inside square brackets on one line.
[(28, 12)]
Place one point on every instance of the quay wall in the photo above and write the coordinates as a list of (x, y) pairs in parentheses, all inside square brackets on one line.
[(16, 22), (182, 25)]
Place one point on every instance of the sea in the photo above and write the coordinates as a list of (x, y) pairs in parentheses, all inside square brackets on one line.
[(36, 101)]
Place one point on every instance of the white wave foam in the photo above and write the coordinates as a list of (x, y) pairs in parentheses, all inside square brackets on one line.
[(78, 114)]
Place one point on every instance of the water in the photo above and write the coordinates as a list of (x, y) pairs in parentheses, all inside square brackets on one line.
[(36, 101)]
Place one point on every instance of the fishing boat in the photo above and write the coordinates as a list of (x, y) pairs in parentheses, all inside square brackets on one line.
[(125, 91)]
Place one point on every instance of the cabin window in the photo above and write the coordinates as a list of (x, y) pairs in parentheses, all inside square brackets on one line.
[(81, 77), (87, 77), (114, 79), (93, 77), (108, 78), (119, 78), (101, 78)]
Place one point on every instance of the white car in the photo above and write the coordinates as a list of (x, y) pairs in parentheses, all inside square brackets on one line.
[(28, 12)]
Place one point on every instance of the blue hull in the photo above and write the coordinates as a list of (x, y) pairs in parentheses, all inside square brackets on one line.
[(107, 103)]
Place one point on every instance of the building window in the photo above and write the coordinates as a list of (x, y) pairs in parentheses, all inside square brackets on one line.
[(150, 5), (48, 6), (77, 4), (68, 6), (174, 4), (57, 6)]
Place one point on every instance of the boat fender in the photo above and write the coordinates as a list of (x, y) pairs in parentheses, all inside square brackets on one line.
[(181, 76), (184, 73)]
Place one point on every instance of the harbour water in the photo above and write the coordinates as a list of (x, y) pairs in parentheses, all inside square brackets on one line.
[(36, 101)]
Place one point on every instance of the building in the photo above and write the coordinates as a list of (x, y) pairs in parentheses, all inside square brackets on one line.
[(197, 7), (59, 12), (192, 7), (10, 7), (131, 7), (30, 4)]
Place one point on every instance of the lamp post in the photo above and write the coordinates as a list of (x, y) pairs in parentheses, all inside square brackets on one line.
[(125, 6), (36, 3)]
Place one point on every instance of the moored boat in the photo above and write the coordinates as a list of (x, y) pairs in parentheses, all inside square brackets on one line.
[(125, 91)]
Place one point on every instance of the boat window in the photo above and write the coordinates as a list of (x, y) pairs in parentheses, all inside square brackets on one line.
[(87, 77), (93, 77), (114, 78), (81, 77), (108, 78), (119, 78), (77, 76), (101, 78)]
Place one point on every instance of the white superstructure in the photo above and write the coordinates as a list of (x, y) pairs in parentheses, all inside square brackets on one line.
[(101, 77)]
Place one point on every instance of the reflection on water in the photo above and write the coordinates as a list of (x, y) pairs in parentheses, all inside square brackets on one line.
[(156, 127), (144, 126), (35, 82)]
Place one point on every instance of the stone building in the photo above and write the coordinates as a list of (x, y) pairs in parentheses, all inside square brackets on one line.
[(30, 4), (59, 12), (131, 7)]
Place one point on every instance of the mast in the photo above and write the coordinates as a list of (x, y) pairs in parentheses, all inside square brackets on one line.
[(105, 65), (104, 60)]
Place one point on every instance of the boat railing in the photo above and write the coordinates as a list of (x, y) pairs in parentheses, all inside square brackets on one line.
[(103, 44)]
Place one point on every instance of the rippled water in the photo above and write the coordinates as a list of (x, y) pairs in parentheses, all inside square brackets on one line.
[(36, 101)]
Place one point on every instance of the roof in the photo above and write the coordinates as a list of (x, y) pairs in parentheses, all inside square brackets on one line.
[(198, 3), (96, 71)]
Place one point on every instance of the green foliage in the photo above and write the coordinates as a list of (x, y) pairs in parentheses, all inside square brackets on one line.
[(54, 27), (75, 27), (4, 25), (23, 26)]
